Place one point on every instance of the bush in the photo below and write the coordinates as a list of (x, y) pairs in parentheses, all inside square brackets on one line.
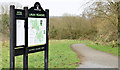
[(5, 24), (71, 27)]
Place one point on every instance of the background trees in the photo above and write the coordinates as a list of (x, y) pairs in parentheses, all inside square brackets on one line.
[(71, 27), (99, 23), (104, 16), (4, 17)]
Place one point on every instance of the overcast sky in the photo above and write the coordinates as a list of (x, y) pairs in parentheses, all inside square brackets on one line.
[(56, 7)]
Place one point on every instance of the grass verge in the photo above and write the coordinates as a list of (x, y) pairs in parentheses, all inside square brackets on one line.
[(105, 48)]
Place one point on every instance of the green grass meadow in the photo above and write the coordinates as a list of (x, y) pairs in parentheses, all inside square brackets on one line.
[(60, 55), (105, 48)]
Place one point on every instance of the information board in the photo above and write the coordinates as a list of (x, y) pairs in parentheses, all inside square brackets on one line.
[(29, 28), (36, 31)]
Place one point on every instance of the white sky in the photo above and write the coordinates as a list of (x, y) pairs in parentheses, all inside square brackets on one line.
[(56, 7)]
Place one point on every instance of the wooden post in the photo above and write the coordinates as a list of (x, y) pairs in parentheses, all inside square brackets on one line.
[(12, 36), (47, 39), (25, 56)]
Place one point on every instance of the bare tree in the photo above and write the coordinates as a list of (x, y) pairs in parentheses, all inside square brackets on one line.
[(103, 13), (107, 10), (5, 6)]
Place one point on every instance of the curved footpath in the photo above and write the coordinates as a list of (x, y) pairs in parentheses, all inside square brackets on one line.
[(91, 58)]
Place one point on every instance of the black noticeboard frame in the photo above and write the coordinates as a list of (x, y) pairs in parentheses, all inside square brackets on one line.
[(24, 50)]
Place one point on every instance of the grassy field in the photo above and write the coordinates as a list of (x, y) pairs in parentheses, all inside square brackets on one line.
[(60, 54), (105, 48), (0, 56)]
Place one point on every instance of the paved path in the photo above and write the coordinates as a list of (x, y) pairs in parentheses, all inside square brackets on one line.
[(91, 58)]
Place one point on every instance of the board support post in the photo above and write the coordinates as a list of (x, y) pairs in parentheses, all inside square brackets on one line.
[(25, 56), (47, 40), (12, 36)]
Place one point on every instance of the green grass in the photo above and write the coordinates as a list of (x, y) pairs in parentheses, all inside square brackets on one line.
[(105, 48), (60, 54), (0, 56)]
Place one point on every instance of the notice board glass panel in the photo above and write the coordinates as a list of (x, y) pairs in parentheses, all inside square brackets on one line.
[(36, 31), (20, 33)]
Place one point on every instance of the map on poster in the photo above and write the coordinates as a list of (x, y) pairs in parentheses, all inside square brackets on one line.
[(36, 31)]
